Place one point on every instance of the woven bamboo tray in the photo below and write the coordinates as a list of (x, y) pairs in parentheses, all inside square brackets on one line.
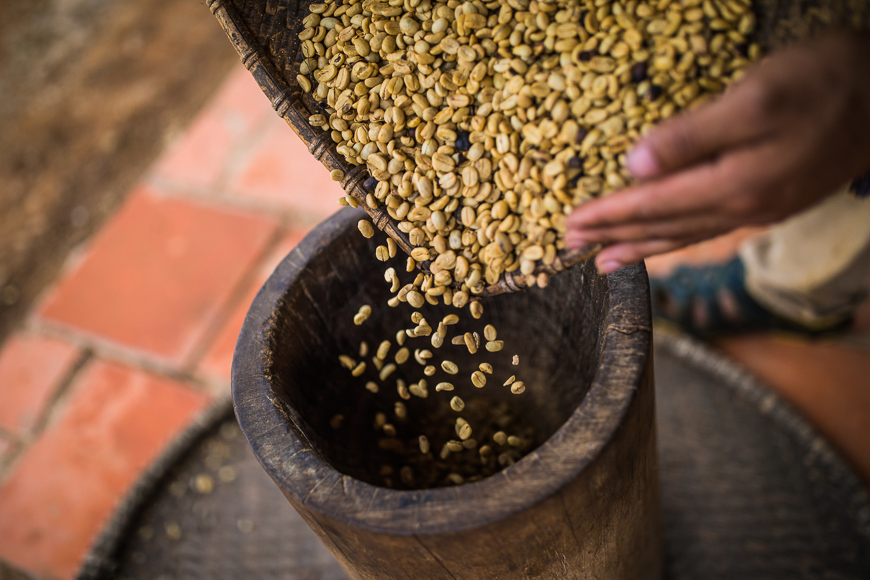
[(265, 34), (750, 490)]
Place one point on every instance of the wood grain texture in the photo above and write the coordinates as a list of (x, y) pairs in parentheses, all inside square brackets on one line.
[(583, 504)]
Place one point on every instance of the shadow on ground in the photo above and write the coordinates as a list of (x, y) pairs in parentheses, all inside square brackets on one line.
[(90, 93)]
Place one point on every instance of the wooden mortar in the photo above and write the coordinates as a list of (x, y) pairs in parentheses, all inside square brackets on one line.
[(583, 504)]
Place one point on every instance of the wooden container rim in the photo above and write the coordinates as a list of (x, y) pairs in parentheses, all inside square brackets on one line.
[(305, 477)]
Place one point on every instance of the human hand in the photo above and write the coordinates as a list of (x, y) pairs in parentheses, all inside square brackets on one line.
[(791, 132)]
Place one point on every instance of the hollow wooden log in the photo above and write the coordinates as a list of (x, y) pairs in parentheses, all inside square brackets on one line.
[(583, 504)]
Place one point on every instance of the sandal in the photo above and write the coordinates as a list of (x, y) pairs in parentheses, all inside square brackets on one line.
[(712, 300)]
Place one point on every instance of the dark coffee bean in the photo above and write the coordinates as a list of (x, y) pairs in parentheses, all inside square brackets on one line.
[(574, 180), (638, 72), (575, 163), (654, 92), (581, 134), (585, 56), (370, 184), (462, 140)]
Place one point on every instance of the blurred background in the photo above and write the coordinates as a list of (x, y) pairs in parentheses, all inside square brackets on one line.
[(147, 189), (90, 93)]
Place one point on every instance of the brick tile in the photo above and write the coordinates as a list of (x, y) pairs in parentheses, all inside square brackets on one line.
[(156, 276), (6, 445), (63, 488), (31, 369), (7, 449), (828, 383), (241, 97), (200, 155), (217, 362), (280, 171)]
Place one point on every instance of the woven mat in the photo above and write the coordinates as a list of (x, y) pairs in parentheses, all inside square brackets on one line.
[(750, 491)]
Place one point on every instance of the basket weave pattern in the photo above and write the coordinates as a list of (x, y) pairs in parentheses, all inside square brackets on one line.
[(265, 34)]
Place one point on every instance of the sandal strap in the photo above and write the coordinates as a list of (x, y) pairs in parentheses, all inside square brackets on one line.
[(690, 289)]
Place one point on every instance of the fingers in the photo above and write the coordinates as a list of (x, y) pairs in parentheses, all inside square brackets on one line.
[(669, 213), (615, 257), (698, 135), (745, 187), (693, 225), (683, 193)]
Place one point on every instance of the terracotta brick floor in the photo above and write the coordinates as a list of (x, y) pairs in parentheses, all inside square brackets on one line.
[(136, 336)]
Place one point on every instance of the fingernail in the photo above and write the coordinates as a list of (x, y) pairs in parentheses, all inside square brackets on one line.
[(574, 240), (609, 266), (641, 162)]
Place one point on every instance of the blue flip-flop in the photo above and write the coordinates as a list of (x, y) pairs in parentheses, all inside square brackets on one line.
[(711, 300)]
